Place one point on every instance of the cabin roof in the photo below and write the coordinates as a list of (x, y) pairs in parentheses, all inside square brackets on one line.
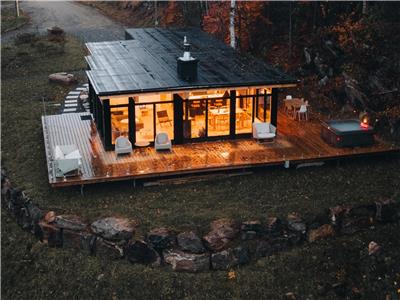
[(146, 62)]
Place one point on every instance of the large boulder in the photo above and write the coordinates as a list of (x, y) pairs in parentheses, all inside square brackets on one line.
[(70, 222), (63, 78), (141, 252), (189, 262), (274, 226), (322, 232), (80, 240), (222, 232), (50, 234), (189, 241), (161, 238), (107, 249), (114, 228), (226, 259), (296, 223)]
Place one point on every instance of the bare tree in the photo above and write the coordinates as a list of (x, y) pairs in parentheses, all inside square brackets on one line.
[(232, 24)]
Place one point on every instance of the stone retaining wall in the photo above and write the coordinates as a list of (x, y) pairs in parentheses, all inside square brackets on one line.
[(229, 243)]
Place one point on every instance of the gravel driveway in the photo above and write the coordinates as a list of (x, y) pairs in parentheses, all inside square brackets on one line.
[(82, 21)]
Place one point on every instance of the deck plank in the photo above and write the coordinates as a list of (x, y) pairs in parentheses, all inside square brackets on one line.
[(296, 141)]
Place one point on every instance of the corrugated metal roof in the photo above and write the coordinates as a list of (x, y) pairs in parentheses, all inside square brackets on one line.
[(147, 62)]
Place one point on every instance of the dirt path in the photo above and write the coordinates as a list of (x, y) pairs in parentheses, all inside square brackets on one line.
[(82, 21)]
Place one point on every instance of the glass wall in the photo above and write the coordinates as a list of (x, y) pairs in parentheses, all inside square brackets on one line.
[(119, 122), (154, 113), (144, 121), (244, 111), (218, 117)]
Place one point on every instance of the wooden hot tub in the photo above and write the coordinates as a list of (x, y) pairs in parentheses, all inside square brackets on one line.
[(347, 133)]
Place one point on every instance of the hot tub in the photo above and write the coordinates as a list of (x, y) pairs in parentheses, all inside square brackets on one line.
[(347, 133)]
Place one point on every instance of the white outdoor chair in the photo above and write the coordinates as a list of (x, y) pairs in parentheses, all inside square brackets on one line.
[(286, 102), (122, 145), (302, 112), (67, 159), (264, 131), (162, 141)]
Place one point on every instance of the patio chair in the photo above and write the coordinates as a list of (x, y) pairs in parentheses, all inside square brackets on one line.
[(162, 141), (264, 131), (302, 112), (67, 160), (122, 145), (163, 118), (287, 105)]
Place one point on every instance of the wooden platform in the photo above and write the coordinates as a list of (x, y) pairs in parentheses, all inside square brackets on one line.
[(297, 142)]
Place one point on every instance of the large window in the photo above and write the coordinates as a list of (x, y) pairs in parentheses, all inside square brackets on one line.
[(244, 111), (218, 117), (144, 115), (119, 122), (154, 113)]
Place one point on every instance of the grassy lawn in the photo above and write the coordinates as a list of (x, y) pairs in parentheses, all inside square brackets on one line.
[(31, 271), (9, 20)]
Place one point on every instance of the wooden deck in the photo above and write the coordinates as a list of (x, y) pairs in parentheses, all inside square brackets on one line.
[(297, 142)]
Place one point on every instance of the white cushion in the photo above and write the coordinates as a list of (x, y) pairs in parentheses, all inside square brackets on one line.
[(73, 154), (58, 154)]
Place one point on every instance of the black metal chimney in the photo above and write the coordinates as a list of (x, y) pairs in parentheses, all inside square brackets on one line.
[(187, 65)]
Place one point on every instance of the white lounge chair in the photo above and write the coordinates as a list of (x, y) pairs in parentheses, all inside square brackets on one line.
[(67, 159), (162, 141), (122, 145), (264, 131)]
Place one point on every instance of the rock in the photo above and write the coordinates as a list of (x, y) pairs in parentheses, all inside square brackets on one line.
[(322, 232), (248, 235), (222, 232), (161, 238), (78, 240), (189, 241), (225, 226), (251, 226), (323, 81), (353, 225), (337, 213), (189, 262), (280, 244), (141, 252), (30, 215), (63, 78), (374, 248), (50, 217), (290, 296), (114, 228), (274, 226), (385, 211), (70, 222), (229, 258), (263, 249), (296, 223), (107, 249), (51, 234)]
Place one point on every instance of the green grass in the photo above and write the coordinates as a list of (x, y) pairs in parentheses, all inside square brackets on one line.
[(44, 273), (9, 20)]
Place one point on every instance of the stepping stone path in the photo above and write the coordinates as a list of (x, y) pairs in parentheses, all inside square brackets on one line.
[(71, 102)]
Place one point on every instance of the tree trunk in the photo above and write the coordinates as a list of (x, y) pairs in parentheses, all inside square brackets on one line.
[(364, 8), (290, 29), (17, 7), (232, 24)]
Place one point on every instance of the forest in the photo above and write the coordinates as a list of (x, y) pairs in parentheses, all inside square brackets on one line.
[(346, 54)]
